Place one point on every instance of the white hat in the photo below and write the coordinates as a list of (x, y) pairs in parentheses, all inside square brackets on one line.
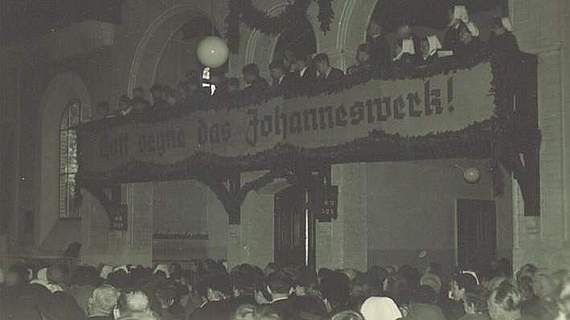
[(380, 308), (105, 271), (460, 13), (407, 47), (507, 24), (42, 274), (162, 268), (123, 267), (434, 45), (473, 29)]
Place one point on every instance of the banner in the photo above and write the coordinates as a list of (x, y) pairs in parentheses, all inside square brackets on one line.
[(409, 108)]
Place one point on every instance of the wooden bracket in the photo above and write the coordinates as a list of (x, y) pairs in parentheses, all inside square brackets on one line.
[(231, 192)]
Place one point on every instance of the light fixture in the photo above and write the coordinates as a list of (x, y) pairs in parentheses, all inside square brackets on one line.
[(471, 175), (212, 51)]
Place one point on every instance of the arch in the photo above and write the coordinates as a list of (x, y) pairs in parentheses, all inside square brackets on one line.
[(62, 89), (158, 34)]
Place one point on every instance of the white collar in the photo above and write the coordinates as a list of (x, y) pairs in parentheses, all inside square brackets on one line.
[(328, 72), (303, 71), (279, 299), (281, 79)]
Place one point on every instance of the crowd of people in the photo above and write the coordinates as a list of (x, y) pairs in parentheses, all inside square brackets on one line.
[(296, 74), (208, 290)]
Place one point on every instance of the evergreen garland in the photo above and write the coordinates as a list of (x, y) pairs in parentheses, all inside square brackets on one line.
[(244, 11)]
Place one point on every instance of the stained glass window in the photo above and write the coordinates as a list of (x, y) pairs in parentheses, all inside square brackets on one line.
[(68, 162)]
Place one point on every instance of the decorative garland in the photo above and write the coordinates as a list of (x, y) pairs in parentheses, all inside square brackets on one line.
[(294, 13), (326, 15)]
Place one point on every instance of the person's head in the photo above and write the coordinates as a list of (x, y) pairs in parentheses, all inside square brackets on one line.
[(102, 301), (431, 280), (169, 94), (335, 288), (157, 92), (404, 32), (347, 315), (397, 287), (505, 302), (266, 312), (215, 287), (362, 54), (124, 102), (468, 32), (360, 286), (322, 62), (279, 284), (218, 77), (250, 73), (301, 62), (460, 284), (58, 273), (528, 270), (306, 283), (288, 59), (474, 301), (233, 84), (138, 92), (181, 92), (85, 276), (270, 268), (166, 297), (134, 302), (374, 28), (244, 312), (276, 70)]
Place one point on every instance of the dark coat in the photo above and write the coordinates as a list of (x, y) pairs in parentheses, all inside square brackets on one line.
[(212, 311), (334, 78), (380, 53), (287, 85), (287, 308)]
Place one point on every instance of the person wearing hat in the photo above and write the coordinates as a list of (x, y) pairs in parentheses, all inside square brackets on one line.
[(458, 16), (469, 42), (430, 47), (502, 42), (378, 48), (158, 96)]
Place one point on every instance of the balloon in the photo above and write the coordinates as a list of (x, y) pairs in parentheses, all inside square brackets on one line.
[(212, 52), (471, 175)]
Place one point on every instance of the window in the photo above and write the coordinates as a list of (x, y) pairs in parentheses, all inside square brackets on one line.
[(68, 162), (207, 80)]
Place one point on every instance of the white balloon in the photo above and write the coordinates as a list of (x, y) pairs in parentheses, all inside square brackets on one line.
[(212, 52), (471, 175)]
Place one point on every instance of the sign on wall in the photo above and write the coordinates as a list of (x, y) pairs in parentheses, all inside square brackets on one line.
[(409, 108)]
